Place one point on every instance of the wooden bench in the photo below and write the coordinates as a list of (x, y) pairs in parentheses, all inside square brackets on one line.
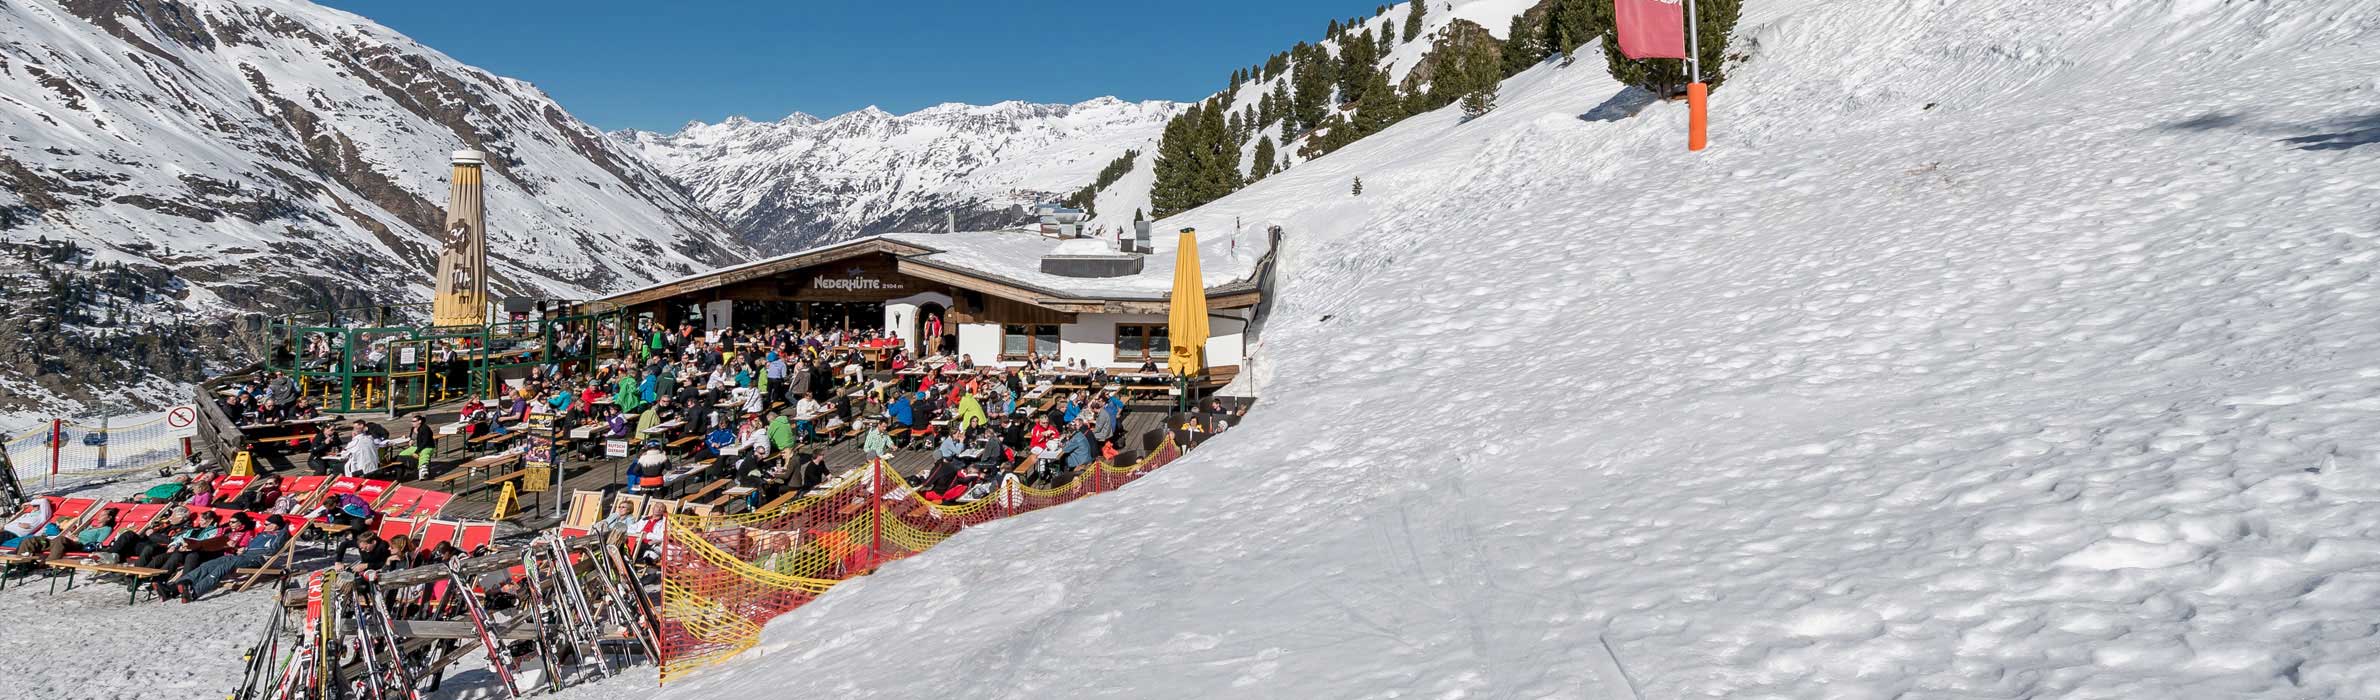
[(133, 575), (684, 441), (780, 500), (707, 490), (726, 497), (498, 480)]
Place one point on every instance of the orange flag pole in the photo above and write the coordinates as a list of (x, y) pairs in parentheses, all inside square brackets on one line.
[(1698, 95)]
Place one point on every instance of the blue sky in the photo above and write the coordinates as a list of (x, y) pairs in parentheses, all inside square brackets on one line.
[(657, 64)]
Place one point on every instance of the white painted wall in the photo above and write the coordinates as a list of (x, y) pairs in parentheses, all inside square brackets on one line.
[(1093, 338), (980, 341)]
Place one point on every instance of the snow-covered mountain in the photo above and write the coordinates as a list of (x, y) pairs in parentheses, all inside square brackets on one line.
[(802, 180), (1996, 348), (272, 154)]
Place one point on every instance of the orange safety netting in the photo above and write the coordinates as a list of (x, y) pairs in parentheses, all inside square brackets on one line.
[(724, 576)]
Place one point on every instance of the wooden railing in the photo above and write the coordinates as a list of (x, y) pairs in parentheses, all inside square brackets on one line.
[(219, 436)]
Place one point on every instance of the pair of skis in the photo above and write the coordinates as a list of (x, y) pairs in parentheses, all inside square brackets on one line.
[(499, 656), (386, 675), (625, 596), (565, 606)]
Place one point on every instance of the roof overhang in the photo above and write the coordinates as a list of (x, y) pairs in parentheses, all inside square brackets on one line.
[(764, 268)]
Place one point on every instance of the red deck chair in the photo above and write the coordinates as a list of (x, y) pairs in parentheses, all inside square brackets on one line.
[(391, 527), (430, 534), (66, 510), (373, 490), (347, 484), (229, 487), (407, 501), (475, 535), (62, 513), (307, 490), (131, 516), (432, 502)]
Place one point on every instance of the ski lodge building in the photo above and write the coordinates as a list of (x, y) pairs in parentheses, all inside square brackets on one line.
[(998, 297)]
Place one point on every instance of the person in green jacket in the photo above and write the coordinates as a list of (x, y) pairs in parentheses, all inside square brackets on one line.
[(625, 394), (780, 432), (970, 414), (167, 492), (647, 422)]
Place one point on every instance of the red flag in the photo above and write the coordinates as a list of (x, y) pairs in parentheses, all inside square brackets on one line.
[(1651, 28)]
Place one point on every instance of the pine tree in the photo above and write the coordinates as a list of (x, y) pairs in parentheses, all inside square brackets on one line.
[(1264, 110), (1468, 59), (1333, 31), (1260, 163), (1176, 164), (1380, 106), (1355, 62), (1388, 29), (1359, 186), (1570, 23), (1413, 18), (1220, 171), (1478, 102), (1137, 215), (1522, 46), (1668, 76), (1314, 73), (1281, 106)]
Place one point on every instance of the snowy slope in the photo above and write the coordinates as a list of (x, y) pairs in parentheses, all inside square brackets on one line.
[(1998, 348), (802, 181), (283, 155)]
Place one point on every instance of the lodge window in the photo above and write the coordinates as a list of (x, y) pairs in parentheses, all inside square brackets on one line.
[(1020, 342), (1142, 343)]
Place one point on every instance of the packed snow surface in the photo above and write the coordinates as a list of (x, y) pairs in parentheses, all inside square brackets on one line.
[(1996, 349)]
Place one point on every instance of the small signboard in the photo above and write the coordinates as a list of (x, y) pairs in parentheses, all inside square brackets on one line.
[(181, 421), (540, 460), (615, 448)]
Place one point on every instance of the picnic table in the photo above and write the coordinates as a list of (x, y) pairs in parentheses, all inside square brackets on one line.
[(585, 431)]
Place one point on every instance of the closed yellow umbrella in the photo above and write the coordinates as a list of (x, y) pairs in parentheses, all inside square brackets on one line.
[(1186, 320)]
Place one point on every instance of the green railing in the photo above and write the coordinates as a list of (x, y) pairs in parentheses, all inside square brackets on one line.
[(350, 368)]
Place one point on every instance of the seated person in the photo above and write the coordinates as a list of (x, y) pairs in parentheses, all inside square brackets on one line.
[(34, 514), (204, 527), (87, 539), (722, 437), (232, 534), (134, 544), (267, 541), (171, 491)]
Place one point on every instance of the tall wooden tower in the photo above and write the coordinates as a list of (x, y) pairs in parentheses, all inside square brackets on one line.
[(461, 298)]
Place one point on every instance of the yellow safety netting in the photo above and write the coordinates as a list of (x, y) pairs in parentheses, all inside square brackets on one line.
[(724, 576)]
